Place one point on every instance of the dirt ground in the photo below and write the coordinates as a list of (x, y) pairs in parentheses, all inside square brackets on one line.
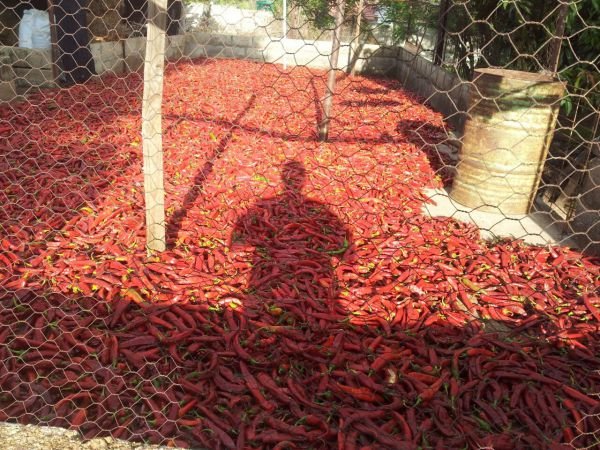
[(30, 437)]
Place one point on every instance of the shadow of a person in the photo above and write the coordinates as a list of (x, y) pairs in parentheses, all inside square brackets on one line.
[(296, 243)]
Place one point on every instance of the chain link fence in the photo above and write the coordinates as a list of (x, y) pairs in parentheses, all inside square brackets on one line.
[(380, 222)]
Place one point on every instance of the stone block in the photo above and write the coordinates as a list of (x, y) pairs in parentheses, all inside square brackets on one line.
[(176, 47), (108, 56), (260, 42), (274, 52), (8, 91), (239, 52), (218, 51), (255, 54), (220, 40), (29, 57), (34, 77), (195, 51), (197, 38), (242, 41), (135, 53)]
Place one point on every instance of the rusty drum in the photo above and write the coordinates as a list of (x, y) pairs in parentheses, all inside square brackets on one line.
[(511, 120)]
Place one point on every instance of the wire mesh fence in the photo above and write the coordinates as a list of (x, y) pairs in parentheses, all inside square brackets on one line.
[(378, 222)]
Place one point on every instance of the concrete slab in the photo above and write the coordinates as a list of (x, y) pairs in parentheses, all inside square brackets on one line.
[(176, 46), (108, 56), (29, 57), (135, 51), (20, 437), (540, 227), (34, 77)]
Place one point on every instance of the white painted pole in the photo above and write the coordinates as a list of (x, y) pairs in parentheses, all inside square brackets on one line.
[(154, 67), (284, 34)]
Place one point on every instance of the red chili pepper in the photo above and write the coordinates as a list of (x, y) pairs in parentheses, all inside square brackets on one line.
[(275, 390), (588, 301), (273, 437), (140, 341), (423, 377), (386, 357), (254, 389), (577, 395), (360, 393), (198, 433), (577, 416), (71, 399), (222, 435), (428, 394)]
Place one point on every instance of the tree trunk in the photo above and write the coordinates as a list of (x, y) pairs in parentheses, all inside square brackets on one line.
[(175, 12), (556, 44), (356, 38), (440, 42), (294, 32), (335, 53), (154, 192)]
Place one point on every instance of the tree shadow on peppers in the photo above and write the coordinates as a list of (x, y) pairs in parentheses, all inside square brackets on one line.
[(435, 141)]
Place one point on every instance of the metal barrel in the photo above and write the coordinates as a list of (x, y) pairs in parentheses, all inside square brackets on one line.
[(509, 127)]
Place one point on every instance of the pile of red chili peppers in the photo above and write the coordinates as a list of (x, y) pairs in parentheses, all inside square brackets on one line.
[(304, 301)]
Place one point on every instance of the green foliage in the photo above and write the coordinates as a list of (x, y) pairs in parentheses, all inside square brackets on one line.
[(409, 15), (514, 34), (317, 12), (580, 57)]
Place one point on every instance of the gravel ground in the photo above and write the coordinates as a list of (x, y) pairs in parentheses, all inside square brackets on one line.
[(30, 437)]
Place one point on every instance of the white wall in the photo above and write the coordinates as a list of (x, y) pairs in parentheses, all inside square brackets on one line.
[(225, 19)]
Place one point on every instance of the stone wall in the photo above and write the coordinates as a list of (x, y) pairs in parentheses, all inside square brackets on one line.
[(128, 55), (293, 52), (442, 90), (7, 81), (24, 67)]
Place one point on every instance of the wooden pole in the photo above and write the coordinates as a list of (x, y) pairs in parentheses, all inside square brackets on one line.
[(56, 72), (294, 32), (335, 53), (154, 192)]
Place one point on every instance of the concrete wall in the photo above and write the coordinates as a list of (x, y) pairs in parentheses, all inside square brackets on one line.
[(445, 92), (229, 19), (128, 54), (25, 67), (7, 83), (293, 52), (442, 90)]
